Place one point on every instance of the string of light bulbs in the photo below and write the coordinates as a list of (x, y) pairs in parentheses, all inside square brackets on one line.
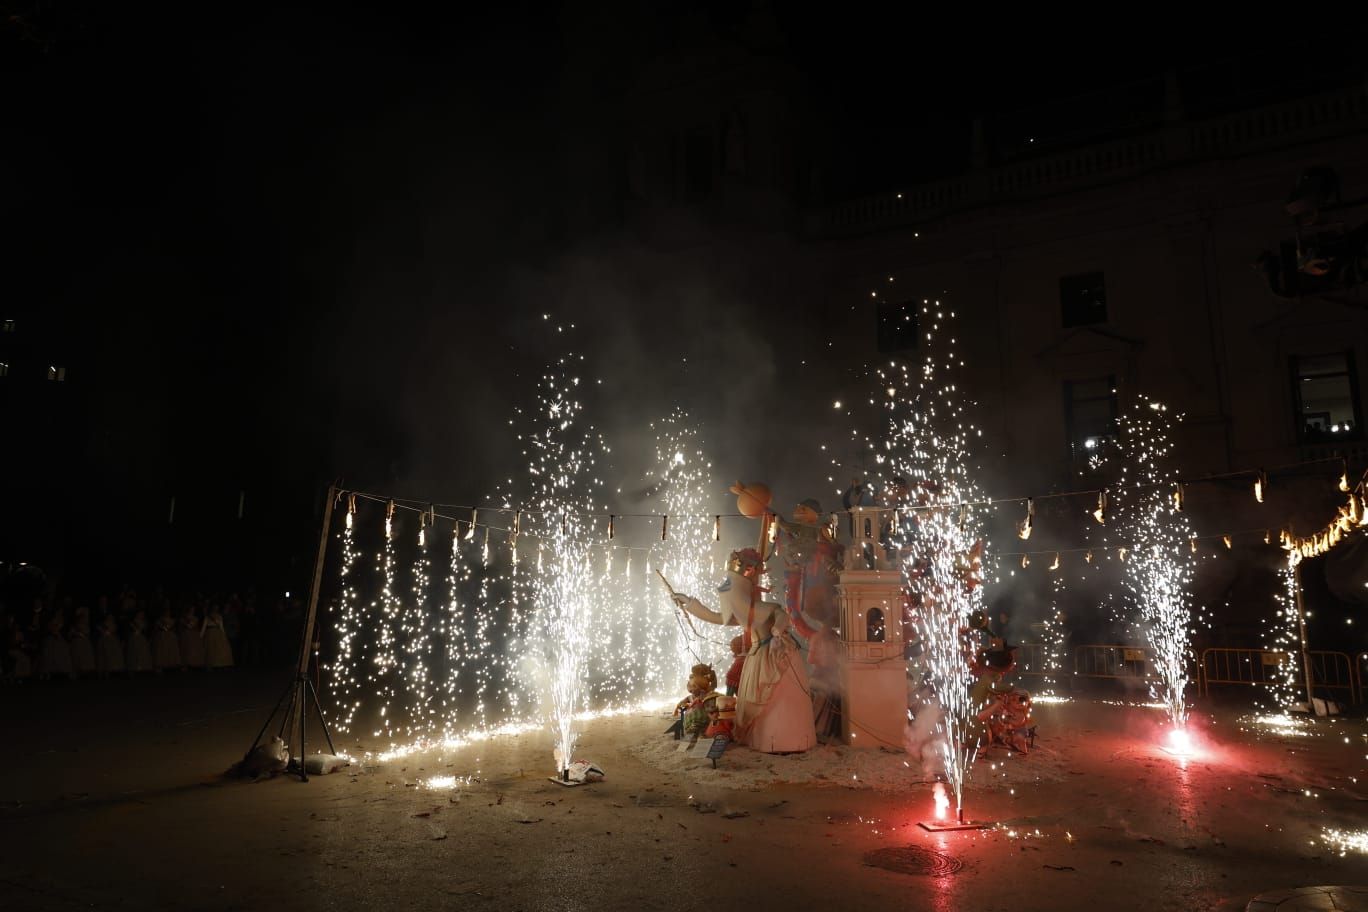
[(1353, 515), (1259, 477)]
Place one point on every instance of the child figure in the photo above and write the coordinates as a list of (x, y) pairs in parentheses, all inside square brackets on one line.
[(191, 640), (82, 652), (218, 652), (693, 708), (165, 646), (721, 717), (109, 652), (138, 651)]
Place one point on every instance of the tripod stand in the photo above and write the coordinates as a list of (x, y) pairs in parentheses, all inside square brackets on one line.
[(300, 694)]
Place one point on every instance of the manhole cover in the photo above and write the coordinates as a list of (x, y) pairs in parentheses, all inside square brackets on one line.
[(913, 860)]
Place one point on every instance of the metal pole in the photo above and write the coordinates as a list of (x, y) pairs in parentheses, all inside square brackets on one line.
[(307, 644), (1301, 627), (301, 701)]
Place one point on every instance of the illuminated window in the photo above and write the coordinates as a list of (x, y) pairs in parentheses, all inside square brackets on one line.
[(1090, 415), (57, 374), (1083, 299), (4, 369), (897, 326), (7, 326), (1325, 396)]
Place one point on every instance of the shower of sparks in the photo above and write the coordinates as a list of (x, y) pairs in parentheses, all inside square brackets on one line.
[(417, 661), (565, 593), (385, 665), (1155, 533), (351, 634), (682, 479), (1281, 724), (1052, 649), (1284, 639), (927, 442), (452, 629), (446, 782), (523, 613), (1345, 841)]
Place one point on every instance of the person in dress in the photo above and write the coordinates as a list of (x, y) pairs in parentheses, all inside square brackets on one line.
[(18, 665), (165, 645), (78, 640), (218, 651), (191, 640), (138, 651), (55, 659), (109, 651), (773, 709)]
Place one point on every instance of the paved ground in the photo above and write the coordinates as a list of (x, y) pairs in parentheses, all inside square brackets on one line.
[(109, 799)]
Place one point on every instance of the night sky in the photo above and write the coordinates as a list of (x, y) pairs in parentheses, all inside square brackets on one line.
[(279, 246)]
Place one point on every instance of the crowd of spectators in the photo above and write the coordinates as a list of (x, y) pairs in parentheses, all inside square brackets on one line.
[(56, 637)]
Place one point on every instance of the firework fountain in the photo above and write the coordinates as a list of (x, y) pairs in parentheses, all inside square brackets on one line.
[(1156, 551), (928, 444), (562, 589)]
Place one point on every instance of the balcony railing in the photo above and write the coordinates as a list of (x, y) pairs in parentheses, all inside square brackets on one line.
[(1345, 111)]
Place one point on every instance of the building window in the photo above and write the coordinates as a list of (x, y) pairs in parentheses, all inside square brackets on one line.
[(874, 626), (4, 369), (1090, 415), (1083, 299), (57, 374), (1325, 395), (7, 326), (897, 329)]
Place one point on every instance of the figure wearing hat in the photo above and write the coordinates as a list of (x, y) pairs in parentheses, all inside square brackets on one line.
[(773, 710)]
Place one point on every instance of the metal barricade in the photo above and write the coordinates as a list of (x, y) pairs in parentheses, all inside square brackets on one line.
[(1333, 671), (1330, 671), (1032, 659), (1120, 662), (1250, 667), (1362, 669)]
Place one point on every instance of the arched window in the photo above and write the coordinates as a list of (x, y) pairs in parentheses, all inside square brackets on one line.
[(874, 625)]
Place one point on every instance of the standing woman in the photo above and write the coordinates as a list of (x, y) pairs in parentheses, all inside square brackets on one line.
[(82, 652), (56, 655), (165, 645), (218, 651), (191, 640), (109, 652), (138, 651)]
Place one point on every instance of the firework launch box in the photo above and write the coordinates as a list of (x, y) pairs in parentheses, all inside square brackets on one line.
[(874, 679)]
